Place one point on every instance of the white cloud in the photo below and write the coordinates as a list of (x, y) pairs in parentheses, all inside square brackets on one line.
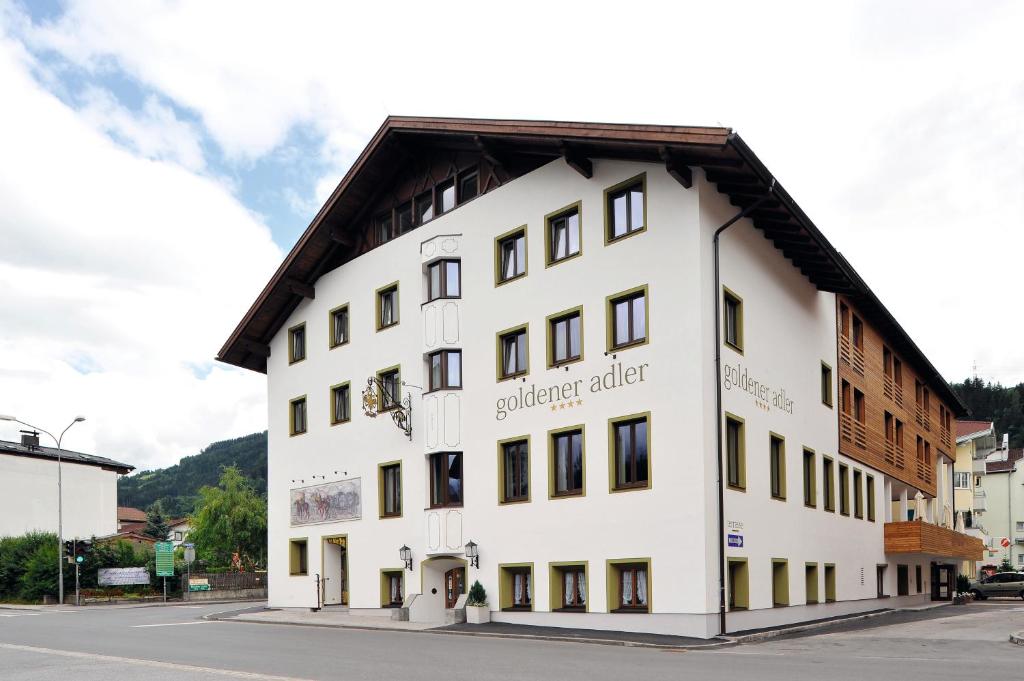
[(121, 276)]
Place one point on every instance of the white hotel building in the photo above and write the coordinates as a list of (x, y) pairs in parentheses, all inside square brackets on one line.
[(536, 303)]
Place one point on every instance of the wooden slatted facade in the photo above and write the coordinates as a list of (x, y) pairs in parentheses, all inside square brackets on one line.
[(916, 536), (869, 364)]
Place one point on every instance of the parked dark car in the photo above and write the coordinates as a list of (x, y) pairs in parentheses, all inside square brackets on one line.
[(1000, 584)]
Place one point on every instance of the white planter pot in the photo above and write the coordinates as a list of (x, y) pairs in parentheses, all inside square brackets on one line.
[(477, 614)]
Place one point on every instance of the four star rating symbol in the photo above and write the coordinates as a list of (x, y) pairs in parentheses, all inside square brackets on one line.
[(569, 404)]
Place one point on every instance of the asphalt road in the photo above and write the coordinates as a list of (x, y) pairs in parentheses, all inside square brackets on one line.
[(174, 642)]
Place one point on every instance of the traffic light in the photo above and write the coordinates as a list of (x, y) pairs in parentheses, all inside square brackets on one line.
[(82, 547), (69, 548)]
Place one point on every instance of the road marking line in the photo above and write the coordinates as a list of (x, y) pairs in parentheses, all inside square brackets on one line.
[(149, 663), (171, 624), (20, 614)]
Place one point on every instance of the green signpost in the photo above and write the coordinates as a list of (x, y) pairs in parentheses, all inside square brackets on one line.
[(164, 562)]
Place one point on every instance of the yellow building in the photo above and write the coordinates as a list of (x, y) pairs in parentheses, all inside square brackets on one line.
[(975, 441)]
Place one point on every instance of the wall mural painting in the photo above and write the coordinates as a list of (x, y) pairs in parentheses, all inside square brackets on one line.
[(326, 503)]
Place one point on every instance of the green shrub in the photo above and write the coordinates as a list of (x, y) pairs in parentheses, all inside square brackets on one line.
[(963, 584), (477, 594)]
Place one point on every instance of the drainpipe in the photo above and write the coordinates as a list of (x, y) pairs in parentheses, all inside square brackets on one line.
[(719, 414)]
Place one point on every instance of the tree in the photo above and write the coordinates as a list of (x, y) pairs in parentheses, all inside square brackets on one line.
[(230, 518), (156, 523), (1006, 565)]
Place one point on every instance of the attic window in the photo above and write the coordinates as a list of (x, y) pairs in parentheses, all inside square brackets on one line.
[(468, 185), (445, 196), (424, 207)]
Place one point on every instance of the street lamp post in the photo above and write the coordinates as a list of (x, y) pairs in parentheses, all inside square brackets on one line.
[(60, 499)]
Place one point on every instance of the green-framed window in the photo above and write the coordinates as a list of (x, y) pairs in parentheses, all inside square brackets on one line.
[(828, 483), (569, 586), (810, 478), (565, 337), (389, 489), (777, 466), (567, 464), (341, 403), (387, 304), (514, 470), (739, 584), (338, 326), (510, 256), (830, 583), (629, 585), (297, 343), (563, 234), (297, 416), (869, 489), (844, 489), (811, 583), (626, 208), (513, 352), (732, 320), (826, 385), (298, 557), (629, 452), (858, 494), (780, 582), (515, 586), (391, 382), (627, 318), (392, 588), (735, 453)]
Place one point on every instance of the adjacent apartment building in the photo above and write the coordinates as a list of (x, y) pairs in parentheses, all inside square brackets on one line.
[(28, 490), (613, 372)]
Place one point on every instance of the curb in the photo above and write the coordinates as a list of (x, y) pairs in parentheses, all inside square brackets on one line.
[(811, 626), (720, 643), (1017, 637)]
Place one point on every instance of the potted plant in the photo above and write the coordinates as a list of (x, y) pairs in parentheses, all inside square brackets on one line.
[(477, 611), (963, 590)]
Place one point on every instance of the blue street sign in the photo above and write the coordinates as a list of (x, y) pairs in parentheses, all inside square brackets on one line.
[(736, 541)]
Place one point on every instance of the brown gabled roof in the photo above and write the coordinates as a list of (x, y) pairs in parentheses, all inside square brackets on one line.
[(65, 455), (726, 159), (1012, 457), (130, 514), (965, 428)]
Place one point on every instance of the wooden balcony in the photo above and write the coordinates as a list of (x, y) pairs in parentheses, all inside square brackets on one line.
[(917, 536), (851, 354)]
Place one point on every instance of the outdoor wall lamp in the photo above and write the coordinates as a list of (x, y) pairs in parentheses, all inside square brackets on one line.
[(406, 555), (473, 553)]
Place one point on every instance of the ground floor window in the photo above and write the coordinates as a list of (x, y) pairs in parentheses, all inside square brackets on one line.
[(880, 580), (516, 587), (917, 577), (298, 553), (569, 587), (780, 582), (830, 583), (739, 584), (811, 579), (392, 591), (629, 586)]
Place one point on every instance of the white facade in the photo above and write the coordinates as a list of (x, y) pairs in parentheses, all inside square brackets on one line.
[(28, 497), (789, 330)]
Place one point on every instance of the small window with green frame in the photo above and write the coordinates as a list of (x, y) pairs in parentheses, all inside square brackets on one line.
[(565, 337), (568, 586), (510, 256), (297, 343), (390, 393), (514, 470), (629, 452), (826, 385), (625, 208), (564, 234), (739, 584), (389, 489), (844, 489), (567, 465), (828, 483), (869, 489), (513, 358), (387, 306), (298, 557), (341, 403), (627, 318), (297, 415), (810, 478), (732, 320), (338, 323), (735, 453), (777, 466), (629, 585), (515, 587)]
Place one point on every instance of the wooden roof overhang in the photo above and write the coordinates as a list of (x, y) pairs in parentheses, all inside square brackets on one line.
[(331, 238)]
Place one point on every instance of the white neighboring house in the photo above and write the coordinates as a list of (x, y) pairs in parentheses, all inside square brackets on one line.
[(178, 531), (543, 297), (28, 490)]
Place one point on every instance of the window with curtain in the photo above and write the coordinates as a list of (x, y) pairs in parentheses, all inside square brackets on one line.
[(564, 235), (391, 489), (339, 326), (734, 453), (341, 410), (394, 589), (445, 479), (629, 320), (298, 416), (516, 470), (522, 588), (391, 393), (297, 343), (631, 453), (567, 460), (574, 587), (513, 359), (387, 307), (733, 321), (565, 339), (512, 256), (445, 370), (633, 587), (626, 211)]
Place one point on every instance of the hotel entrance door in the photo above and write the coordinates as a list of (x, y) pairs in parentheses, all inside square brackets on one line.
[(335, 569), (942, 582), (454, 586)]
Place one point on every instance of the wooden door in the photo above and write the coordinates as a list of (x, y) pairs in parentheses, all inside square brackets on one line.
[(454, 586)]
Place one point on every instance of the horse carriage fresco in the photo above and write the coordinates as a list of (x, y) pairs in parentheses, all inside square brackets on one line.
[(327, 502)]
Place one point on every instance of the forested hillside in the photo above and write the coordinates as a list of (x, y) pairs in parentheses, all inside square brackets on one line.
[(995, 402), (177, 487)]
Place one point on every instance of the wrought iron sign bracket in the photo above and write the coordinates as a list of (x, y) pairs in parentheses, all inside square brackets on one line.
[(377, 400)]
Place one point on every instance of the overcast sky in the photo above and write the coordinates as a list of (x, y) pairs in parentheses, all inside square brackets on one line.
[(157, 160)]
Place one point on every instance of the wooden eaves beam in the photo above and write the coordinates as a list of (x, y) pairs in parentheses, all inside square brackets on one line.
[(680, 172), (254, 347), (577, 161), (297, 287)]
